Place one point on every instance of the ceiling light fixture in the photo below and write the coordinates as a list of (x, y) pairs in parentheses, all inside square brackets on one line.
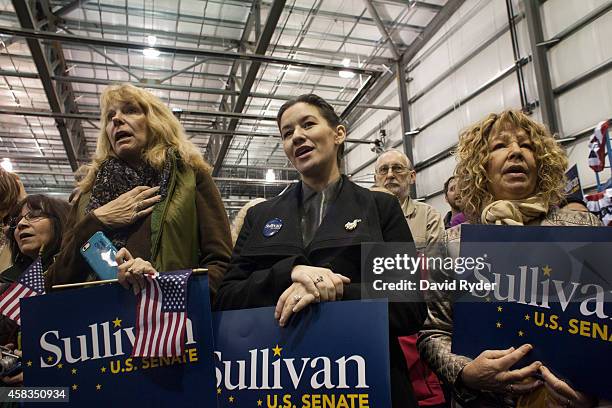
[(346, 74), (150, 52), (7, 165), (270, 176), (151, 40), (346, 62)]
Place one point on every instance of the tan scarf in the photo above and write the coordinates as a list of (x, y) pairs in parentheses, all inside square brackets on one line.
[(515, 212)]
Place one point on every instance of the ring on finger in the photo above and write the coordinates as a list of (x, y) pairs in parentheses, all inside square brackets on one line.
[(297, 298), (510, 388), (138, 204), (319, 279), (568, 403)]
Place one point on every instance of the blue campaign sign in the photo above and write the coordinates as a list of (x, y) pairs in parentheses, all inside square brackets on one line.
[(552, 290), (333, 355), (82, 339)]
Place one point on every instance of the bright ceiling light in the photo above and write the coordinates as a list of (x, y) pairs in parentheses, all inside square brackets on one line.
[(6, 164), (346, 62), (151, 40), (150, 52), (346, 74), (270, 176)]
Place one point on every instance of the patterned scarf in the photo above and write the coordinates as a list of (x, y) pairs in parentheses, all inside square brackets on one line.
[(516, 212), (115, 177)]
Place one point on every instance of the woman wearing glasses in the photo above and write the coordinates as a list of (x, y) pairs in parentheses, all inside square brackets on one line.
[(36, 227), (303, 246)]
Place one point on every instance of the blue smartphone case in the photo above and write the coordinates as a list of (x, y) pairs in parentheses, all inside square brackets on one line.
[(99, 252)]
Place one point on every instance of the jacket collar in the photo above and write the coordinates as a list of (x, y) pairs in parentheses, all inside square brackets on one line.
[(408, 207)]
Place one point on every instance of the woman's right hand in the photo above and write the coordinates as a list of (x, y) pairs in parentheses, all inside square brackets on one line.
[(128, 207), (490, 371), (322, 282)]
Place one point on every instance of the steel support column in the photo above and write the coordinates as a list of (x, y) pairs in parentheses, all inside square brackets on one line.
[(540, 65), (249, 80), (405, 116)]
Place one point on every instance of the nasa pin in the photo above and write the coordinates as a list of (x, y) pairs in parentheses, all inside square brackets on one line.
[(272, 227)]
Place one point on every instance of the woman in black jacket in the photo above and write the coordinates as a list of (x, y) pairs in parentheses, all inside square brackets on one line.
[(304, 246)]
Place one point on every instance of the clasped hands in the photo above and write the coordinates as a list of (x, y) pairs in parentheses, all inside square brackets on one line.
[(491, 371), (311, 284)]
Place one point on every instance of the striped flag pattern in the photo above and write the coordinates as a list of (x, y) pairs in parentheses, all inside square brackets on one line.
[(597, 147), (161, 315), (30, 283)]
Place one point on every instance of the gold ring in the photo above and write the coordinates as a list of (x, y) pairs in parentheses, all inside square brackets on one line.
[(319, 279)]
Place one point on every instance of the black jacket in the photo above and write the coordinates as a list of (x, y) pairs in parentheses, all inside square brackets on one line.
[(260, 269)]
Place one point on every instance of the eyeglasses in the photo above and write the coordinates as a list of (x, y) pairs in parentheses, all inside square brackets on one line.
[(395, 169), (30, 216)]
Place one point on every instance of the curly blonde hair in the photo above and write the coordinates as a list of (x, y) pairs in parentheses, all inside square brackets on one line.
[(163, 131), (473, 157)]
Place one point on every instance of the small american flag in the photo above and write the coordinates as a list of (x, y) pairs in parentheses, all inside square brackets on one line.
[(160, 315), (30, 283)]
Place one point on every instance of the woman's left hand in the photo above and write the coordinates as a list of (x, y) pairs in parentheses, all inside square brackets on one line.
[(132, 270), (295, 298), (561, 395)]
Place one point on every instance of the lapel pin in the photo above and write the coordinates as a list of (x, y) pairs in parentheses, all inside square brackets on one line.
[(272, 227), (350, 226)]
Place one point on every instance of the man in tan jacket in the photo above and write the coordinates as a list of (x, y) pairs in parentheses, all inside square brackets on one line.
[(394, 172)]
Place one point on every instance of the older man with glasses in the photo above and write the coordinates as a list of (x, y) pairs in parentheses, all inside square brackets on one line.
[(395, 173)]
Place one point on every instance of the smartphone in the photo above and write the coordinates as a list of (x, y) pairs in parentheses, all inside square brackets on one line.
[(100, 254)]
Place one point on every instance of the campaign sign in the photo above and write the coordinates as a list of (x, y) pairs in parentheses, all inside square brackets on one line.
[(82, 339), (573, 189), (551, 289), (333, 355)]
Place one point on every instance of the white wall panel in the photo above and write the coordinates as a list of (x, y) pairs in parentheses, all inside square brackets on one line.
[(586, 105), (578, 153), (582, 51), (431, 179), (557, 15)]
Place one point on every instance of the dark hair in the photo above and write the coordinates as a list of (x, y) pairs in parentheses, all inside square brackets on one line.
[(53, 209), (446, 183), (325, 109)]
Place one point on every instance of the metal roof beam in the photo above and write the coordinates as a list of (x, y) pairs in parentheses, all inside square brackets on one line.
[(59, 99), (262, 45), (383, 30), (221, 55)]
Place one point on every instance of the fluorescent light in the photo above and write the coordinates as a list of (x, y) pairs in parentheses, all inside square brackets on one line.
[(150, 52), (270, 176), (346, 62), (6, 164), (346, 74), (151, 40)]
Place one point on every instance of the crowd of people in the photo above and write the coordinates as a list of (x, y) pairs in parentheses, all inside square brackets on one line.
[(149, 190)]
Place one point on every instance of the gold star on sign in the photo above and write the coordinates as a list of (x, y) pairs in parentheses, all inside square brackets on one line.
[(277, 350), (74, 371), (499, 308), (488, 299), (527, 317), (60, 365), (98, 387), (218, 390), (231, 399), (259, 402), (74, 387), (499, 325), (117, 322), (29, 363), (50, 358), (521, 333), (103, 370), (547, 270)]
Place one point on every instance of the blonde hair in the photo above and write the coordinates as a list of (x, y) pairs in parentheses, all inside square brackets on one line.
[(473, 157), (163, 131), (239, 219)]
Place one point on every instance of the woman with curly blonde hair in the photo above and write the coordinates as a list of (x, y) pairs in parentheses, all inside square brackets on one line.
[(150, 191), (510, 171)]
